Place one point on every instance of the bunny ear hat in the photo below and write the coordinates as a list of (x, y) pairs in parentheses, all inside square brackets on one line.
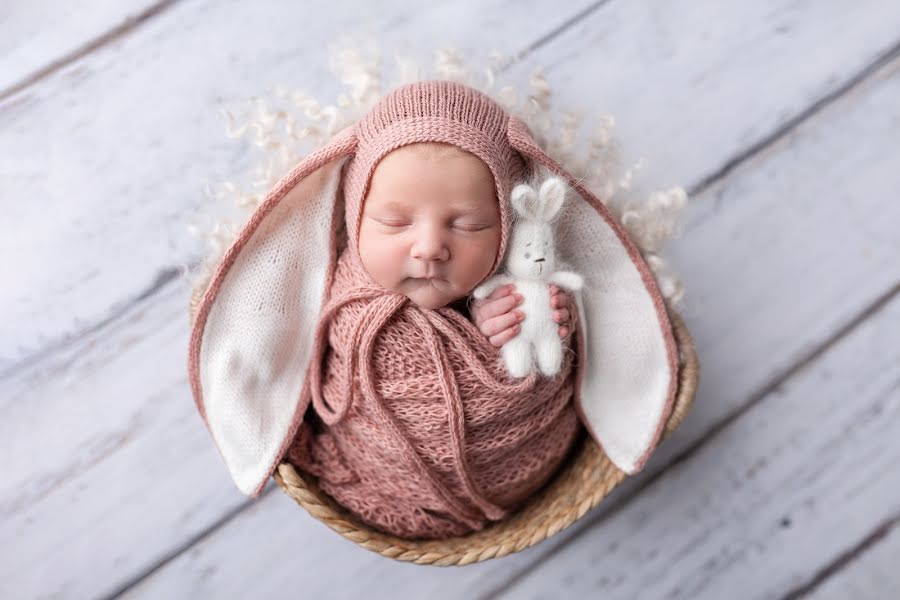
[(253, 333)]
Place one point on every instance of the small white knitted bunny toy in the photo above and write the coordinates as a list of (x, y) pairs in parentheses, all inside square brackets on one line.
[(531, 265)]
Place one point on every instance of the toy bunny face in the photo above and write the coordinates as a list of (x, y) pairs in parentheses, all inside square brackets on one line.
[(532, 253)]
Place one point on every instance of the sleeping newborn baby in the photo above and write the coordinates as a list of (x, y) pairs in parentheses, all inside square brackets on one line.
[(395, 451), (335, 332)]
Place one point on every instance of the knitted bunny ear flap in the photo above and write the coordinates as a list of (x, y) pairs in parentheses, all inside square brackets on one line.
[(627, 354), (253, 331)]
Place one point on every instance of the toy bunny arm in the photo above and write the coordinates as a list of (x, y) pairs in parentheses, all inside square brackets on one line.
[(567, 279), (484, 290)]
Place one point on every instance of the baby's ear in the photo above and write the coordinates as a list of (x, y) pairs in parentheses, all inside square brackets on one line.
[(525, 200), (552, 196)]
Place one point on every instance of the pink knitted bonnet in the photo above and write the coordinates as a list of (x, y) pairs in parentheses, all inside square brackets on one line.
[(432, 111), (253, 332)]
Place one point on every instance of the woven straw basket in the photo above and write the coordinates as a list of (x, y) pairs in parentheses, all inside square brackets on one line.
[(578, 487)]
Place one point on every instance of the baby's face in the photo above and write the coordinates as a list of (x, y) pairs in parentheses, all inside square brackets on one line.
[(430, 227)]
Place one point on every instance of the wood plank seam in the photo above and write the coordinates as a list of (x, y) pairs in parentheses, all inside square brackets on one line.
[(883, 59), (846, 559), (131, 23), (160, 283), (188, 544), (553, 33)]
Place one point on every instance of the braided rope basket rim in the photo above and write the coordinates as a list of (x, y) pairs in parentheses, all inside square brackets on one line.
[(579, 486)]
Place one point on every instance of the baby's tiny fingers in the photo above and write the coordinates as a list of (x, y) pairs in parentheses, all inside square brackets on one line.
[(500, 323), (555, 300), (504, 336), (500, 306), (503, 290), (561, 315)]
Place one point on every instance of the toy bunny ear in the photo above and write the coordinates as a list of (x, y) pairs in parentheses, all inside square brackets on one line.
[(253, 331), (627, 375), (552, 195), (525, 201)]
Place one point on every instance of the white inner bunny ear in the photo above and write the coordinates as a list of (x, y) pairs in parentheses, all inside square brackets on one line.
[(259, 332), (629, 372), (552, 194)]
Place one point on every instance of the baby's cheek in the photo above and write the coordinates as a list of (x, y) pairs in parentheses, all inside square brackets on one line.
[(479, 258), (390, 262), (393, 271), (383, 259)]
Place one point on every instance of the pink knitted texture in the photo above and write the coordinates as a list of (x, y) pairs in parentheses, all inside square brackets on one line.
[(416, 428)]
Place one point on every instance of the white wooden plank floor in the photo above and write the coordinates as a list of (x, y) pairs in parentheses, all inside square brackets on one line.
[(780, 116)]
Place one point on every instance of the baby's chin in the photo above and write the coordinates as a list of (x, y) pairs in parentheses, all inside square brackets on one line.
[(430, 294)]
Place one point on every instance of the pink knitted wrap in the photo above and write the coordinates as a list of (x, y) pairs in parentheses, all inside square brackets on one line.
[(417, 429)]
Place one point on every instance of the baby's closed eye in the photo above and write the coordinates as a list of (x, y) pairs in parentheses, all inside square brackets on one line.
[(472, 227), (391, 221)]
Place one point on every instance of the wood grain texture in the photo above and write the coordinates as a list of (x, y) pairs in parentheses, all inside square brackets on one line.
[(759, 300), (119, 474), (873, 575), (39, 36), (665, 71)]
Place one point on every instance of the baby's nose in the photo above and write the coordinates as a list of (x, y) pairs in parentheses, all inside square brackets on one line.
[(430, 248)]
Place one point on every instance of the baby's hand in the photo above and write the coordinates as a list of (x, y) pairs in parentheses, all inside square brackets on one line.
[(498, 318)]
